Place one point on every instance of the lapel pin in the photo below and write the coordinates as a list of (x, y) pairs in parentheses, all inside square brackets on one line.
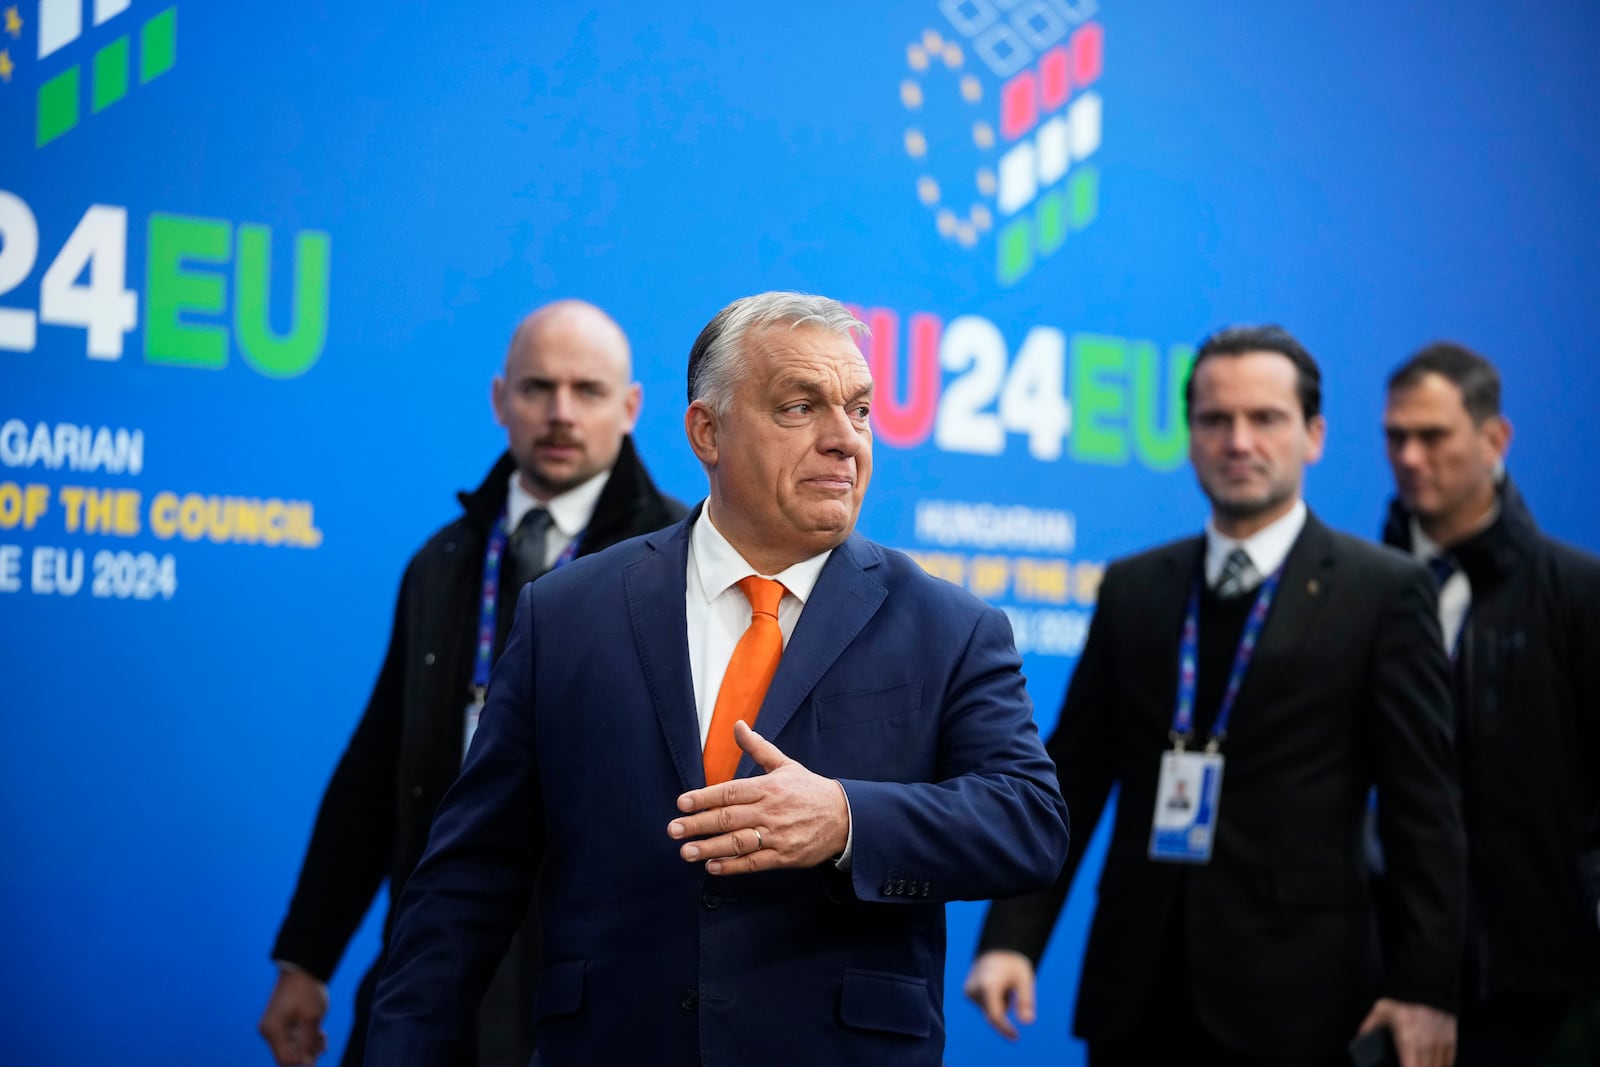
[(1313, 587)]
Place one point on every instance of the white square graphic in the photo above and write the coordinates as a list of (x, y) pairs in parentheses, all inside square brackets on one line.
[(1019, 178), (60, 23), (1084, 115), (1054, 149), (109, 9)]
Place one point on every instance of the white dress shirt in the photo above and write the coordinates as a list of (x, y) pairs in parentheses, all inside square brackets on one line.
[(718, 613), (1267, 548), (1455, 595), (569, 512)]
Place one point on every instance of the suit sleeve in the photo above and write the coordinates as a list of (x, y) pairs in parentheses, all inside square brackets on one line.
[(474, 884), (1419, 796), (994, 823), (1083, 749), (354, 833)]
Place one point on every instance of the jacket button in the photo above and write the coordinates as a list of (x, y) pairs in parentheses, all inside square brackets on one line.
[(925, 887), (690, 1001), (711, 899), (416, 791), (428, 660)]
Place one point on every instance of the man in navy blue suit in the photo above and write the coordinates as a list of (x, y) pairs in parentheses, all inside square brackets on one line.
[(712, 893)]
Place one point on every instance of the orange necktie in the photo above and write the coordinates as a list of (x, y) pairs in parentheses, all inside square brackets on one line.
[(755, 659)]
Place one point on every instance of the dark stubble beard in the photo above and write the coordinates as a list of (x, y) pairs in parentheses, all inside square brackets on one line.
[(1248, 509)]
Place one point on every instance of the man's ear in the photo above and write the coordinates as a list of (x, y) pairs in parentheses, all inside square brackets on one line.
[(497, 398), (1317, 435), (700, 425), (632, 400), (1497, 428)]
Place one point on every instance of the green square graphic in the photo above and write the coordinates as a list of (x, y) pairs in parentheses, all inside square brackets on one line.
[(158, 45), (1016, 250), (1084, 189), (58, 106), (110, 75), (1052, 222)]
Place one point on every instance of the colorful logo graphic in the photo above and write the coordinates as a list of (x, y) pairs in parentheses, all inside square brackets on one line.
[(1003, 124), (59, 24)]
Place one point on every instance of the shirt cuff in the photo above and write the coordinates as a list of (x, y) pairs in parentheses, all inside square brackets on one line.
[(843, 862)]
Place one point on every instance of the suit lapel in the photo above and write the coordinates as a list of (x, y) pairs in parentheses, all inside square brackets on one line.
[(654, 587), (1166, 606), (1161, 612), (846, 596), (1307, 577)]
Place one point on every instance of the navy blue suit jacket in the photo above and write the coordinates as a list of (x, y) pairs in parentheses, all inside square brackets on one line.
[(905, 688)]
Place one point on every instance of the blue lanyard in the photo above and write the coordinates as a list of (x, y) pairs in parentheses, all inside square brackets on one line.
[(1189, 657), (489, 603)]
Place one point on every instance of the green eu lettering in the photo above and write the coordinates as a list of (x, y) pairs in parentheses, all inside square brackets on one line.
[(1124, 404), (185, 288)]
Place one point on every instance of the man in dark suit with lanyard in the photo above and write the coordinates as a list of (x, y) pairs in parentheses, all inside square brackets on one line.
[(569, 485), (1306, 665)]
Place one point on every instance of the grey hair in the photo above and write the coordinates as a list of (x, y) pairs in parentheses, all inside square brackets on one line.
[(716, 362)]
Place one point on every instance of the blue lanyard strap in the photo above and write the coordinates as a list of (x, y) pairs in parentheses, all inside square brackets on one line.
[(489, 604), (1189, 663), (489, 601)]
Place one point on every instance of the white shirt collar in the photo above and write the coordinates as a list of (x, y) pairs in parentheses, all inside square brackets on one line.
[(720, 566), (569, 512), (1267, 548)]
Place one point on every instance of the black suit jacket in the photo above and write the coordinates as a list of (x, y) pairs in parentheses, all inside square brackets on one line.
[(1348, 689)]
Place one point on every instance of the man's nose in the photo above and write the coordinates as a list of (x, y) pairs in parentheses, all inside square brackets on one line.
[(1241, 438), (1409, 454), (561, 404), (838, 433)]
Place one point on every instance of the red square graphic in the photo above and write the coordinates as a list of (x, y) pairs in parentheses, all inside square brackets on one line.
[(1019, 105), (1053, 81), (1088, 53)]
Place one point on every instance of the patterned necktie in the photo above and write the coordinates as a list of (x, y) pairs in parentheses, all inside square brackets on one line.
[(1238, 575), (755, 660), (527, 547), (1442, 568)]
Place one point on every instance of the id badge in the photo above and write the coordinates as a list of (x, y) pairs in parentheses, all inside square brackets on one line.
[(1187, 798), (474, 711)]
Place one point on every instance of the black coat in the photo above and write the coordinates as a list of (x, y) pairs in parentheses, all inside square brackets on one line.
[(375, 815), (1348, 688), (1527, 690)]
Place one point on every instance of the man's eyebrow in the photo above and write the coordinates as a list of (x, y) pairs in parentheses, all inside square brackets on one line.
[(532, 378), (817, 388), (795, 383)]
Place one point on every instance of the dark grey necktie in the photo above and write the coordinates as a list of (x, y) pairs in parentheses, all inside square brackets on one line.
[(527, 546), (1442, 567), (1238, 575)]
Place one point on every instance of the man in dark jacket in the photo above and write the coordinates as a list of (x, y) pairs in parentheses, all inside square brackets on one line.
[(570, 485), (1520, 614)]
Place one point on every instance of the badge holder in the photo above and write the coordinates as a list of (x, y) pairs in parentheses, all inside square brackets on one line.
[(1188, 796)]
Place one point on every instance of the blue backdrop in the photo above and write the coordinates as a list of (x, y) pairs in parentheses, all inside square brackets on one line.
[(271, 254)]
